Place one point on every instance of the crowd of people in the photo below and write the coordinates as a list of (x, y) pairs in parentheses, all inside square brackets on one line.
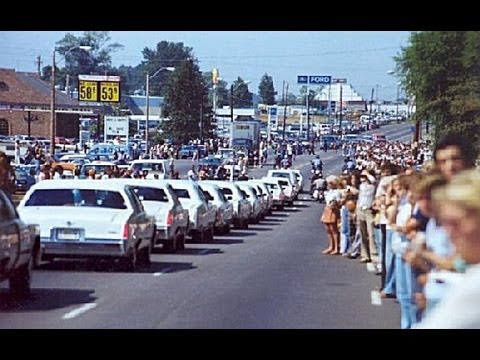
[(411, 214)]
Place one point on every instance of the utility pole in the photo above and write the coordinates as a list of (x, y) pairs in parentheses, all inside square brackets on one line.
[(371, 100), (147, 113), (329, 107), (201, 123), (39, 64), (52, 109), (29, 123), (285, 110), (341, 108), (231, 102), (67, 85), (308, 114)]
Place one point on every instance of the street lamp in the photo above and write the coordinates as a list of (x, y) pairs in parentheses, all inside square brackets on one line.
[(147, 90), (52, 97)]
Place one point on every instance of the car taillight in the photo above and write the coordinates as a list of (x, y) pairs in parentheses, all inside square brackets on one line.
[(126, 232), (169, 218)]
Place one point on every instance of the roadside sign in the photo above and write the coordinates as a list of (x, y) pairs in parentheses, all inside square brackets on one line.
[(98, 88), (320, 79), (339, 81), (302, 79), (116, 126)]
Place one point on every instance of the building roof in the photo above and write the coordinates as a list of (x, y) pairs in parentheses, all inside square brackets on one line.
[(332, 93), (137, 104), (23, 88)]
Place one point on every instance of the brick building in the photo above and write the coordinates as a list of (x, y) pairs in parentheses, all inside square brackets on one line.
[(24, 95)]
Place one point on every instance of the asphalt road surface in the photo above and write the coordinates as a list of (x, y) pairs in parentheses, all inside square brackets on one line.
[(271, 276)]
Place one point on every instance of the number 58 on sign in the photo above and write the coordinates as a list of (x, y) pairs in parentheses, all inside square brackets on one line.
[(88, 91)]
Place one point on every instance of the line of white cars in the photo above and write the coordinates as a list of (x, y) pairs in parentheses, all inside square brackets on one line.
[(124, 219)]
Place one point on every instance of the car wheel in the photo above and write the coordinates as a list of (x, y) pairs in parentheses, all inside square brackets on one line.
[(181, 242), (21, 279), (210, 234), (130, 263), (146, 254), (37, 255)]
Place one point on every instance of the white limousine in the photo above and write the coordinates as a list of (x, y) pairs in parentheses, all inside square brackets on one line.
[(89, 218)]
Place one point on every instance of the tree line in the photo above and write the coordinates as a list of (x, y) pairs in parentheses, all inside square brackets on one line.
[(440, 70)]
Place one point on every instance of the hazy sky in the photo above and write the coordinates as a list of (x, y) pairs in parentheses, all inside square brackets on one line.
[(362, 57)]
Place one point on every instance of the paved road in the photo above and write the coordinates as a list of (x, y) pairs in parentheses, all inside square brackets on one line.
[(270, 276)]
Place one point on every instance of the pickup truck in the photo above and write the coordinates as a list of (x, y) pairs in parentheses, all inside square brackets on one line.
[(19, 248)]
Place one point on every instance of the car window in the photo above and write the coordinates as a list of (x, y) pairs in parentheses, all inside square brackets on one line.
[(227, 191), (150, 194), (182, 193)]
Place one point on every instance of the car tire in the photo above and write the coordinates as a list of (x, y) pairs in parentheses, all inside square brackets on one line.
[(21, 280), (181, 242), (146, 254), (130, 263)]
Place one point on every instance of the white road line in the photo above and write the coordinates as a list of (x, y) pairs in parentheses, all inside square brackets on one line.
[(74, 313), (300, 203)]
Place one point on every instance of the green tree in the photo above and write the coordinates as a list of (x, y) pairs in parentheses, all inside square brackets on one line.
[(242, 98), (303, 95), (440, 70), (132, 79), (266, 90), (166, 54), (186, 104), (77, 61)]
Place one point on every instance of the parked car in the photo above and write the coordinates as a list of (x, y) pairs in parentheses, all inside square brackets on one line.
[(276, 189), (19, 247), (153, 166), (241, 206), (160, 201), (214, 194), (201, 213), (287, 174), (265, 196), (98, 219), (255, 201)]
